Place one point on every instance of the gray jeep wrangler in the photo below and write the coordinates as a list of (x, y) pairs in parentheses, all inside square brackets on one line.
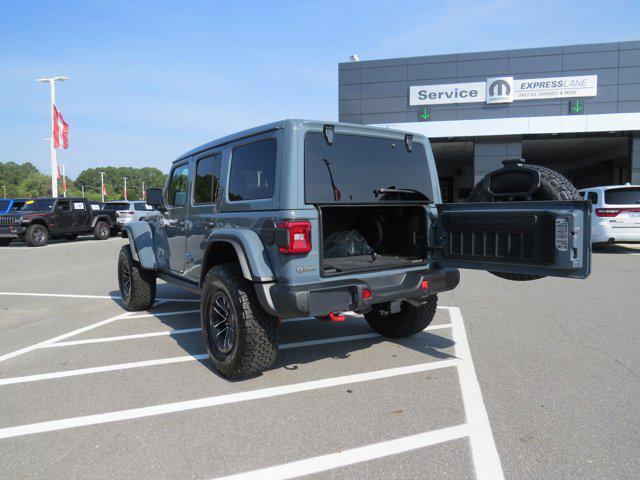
[(304, 218)]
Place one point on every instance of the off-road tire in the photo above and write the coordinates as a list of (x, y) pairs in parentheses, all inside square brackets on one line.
[(37, 235), (141, 293), (407, 322), (5, 241), (101, 230), (71, 237), (553, 186), (256, 333)]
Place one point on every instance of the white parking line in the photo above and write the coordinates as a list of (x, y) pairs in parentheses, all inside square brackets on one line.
[(127, 315), (355, 455), (104, 368), (111, 297), (45, 343), (169, 360), (483, 448), (162, 314), (163, 409), (86, 341)]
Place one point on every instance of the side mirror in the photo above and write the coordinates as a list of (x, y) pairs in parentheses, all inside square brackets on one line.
[(154, 198)]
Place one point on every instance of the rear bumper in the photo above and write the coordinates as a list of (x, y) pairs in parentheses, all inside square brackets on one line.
[(342, 295), (606, 234)]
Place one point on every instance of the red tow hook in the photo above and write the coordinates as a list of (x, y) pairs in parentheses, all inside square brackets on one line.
[(336, 317)]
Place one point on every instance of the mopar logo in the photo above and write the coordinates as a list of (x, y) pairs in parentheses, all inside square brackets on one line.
[(499, 87), (500, 90)]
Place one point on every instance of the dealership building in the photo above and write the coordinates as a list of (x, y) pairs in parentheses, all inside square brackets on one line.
[(575, 109)]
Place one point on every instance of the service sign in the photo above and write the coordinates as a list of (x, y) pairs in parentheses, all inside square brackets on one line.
[(504, 90), (447, 93)]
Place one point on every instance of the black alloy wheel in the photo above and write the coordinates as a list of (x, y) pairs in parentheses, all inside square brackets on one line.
[(222, 325)]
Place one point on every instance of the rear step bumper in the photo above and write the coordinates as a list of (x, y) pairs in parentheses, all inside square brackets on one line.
[(340, 295)]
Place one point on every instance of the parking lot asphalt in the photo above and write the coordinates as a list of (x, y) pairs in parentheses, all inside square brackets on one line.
[(512, 380)]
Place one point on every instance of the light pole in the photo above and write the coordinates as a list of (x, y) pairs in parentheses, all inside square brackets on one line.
[(4, 191), (102, 187), (54, 164), (125, 187), (143, 194), (64, 180), (82, 187)]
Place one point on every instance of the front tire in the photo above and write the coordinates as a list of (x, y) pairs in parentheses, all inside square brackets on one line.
[(405, 323), (241, 338), (36, 235), (137, 286)]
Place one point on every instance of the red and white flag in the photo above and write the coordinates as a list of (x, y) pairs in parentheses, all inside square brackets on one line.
[(104, 189), (58, 167), (60, 130)]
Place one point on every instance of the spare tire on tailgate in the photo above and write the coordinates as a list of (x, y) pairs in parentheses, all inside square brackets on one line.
[(509, 184)]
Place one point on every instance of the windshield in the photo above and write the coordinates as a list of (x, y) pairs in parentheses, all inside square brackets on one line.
[(40, 204), (622, 196), (116, 206), (364, 169)]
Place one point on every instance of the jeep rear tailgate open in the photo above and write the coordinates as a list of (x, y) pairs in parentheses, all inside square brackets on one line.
[(548, 238)]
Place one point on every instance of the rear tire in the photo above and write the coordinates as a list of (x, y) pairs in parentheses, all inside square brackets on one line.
[(37, 235), (407, 322), (101, 231), (137, 286), (5, 241), (241, 338), (553, 186)]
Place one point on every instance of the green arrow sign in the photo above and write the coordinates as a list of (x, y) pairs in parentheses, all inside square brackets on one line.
[(576, 107), (424, 114)]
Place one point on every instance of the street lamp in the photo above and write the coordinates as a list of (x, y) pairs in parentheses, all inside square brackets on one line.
[(4, 191), (125, 188), (54, 164)]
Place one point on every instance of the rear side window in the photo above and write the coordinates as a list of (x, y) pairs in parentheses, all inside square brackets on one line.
[(178, 186), (592, 197), (622, 196), (207, 179), (253, 171), (140, 207), (116, 206)]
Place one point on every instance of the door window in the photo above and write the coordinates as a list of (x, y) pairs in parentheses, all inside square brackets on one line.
[(253, 171), (63, 206), (207, 179), (140, 207), (178, 186)]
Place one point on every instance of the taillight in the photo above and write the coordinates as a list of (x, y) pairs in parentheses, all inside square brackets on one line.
[(607, 212), (125, 213), (295, 237)]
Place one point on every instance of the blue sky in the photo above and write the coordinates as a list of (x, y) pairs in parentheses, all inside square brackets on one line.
[(152, 79)]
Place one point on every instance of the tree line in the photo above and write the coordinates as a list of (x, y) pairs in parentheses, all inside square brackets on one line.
[(26, 181)]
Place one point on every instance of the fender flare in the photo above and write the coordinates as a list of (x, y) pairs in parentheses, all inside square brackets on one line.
[(98, 218), (249, 250), (141, 242)]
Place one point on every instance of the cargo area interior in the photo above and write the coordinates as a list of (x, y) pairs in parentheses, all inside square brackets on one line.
[(360, 238)]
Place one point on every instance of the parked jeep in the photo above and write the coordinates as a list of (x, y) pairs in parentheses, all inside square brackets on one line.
[(303, 218), (43, 218)]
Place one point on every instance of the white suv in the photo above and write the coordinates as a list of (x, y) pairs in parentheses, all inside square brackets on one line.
[(615, 213), (128, 211)]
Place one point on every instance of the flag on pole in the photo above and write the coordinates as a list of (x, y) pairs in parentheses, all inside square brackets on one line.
[(104, 189), (60, 130), (58, 167)]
